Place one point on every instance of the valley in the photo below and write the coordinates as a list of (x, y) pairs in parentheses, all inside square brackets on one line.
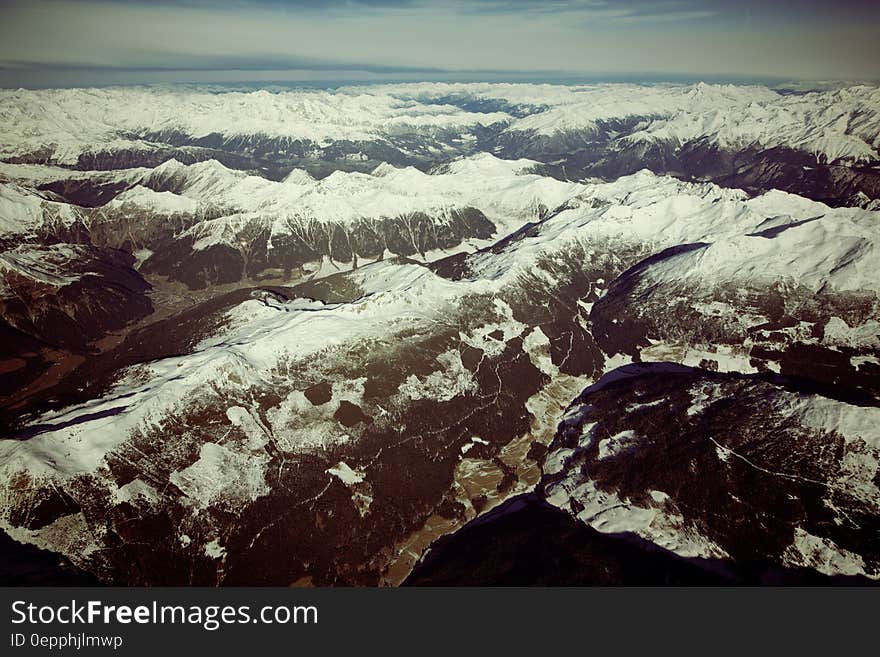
[(344, 337)]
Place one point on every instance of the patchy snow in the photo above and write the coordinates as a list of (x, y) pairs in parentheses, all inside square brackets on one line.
[(214, 550), (729, 358), (659, 496), (556, 460), (537, 345), (450, 380), (141, 256), (822, 555), (617, 444), (606, 512), (224, 476), (701, 397), (135, 490), (866, 335), (51, 266), (78, 121), (70, 535), (345, 474), (475, 440)]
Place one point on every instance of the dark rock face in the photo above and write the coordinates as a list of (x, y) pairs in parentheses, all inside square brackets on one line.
[(103, 295), (45, 325), (178, 257), (25, 565), (527, 542), (741, 462), (600, 154), (217, 264), (20, 358), (154, 155), (87, 192), (57, 300)]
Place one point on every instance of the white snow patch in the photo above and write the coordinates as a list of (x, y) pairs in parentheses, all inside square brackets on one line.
[(823, 555), (222, 476), (866, 335), (345, 474), (616, 444), (214, 550), (134, 490)]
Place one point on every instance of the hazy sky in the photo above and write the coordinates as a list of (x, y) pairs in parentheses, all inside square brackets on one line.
[(102, 41)]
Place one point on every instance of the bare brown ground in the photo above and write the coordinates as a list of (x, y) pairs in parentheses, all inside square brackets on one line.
[(168, 298), (480, 478), (11, 365)]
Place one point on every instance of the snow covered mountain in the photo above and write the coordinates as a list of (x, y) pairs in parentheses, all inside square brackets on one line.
[(409, 384), (297, 337), (822, 144), (206, 224), (718, 466)]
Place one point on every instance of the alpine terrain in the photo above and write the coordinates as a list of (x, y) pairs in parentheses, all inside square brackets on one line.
[(440, 333)]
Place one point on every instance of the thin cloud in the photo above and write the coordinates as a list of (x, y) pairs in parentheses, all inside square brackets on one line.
[(418, 37)]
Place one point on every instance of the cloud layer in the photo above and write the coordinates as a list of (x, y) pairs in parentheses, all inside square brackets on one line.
[(80, 41)]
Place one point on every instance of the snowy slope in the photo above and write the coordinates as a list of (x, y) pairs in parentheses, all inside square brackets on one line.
[(48, 267), (835, 246), (840, 125), (25, 212), (838, 250), (704, 485), (69, 122), (650, 211), (418, 351), (500, 188), (833, 125), (144, 198)]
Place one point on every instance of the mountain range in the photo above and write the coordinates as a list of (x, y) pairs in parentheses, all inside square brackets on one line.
[(352, 336)]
